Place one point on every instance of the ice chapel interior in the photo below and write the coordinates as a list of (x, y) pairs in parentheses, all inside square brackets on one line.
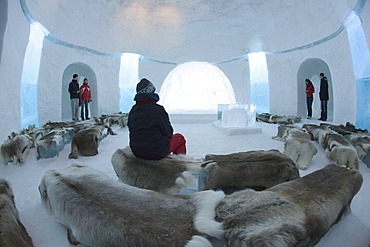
[(201, 55), (197, 53)]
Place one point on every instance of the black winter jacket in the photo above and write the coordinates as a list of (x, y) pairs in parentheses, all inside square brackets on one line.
[(150, 128), (324, 89), (74, 89)]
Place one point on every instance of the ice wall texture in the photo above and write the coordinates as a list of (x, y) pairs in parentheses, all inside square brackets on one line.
[(55, 73), (283, 69), (15, 41)]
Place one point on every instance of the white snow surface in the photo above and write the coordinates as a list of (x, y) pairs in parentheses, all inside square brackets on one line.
[(202, 139)]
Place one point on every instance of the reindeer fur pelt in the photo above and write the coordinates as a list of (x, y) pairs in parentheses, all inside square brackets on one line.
[(337, 148), (15, 149), (167, 175), (86, 141), (100, 211), (295, 213), (299, 147), (12, 231), (253, 169), (283, 132)]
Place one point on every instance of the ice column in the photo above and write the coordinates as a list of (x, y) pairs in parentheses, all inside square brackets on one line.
[(361, 67), (128, 78), (260, 95), (30, 73)]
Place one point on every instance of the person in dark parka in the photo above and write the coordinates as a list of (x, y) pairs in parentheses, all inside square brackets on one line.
[(324, 96), (74, 90), (151, 133)]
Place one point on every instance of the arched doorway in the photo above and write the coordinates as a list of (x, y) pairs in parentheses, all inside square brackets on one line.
[(83, 71), (3, 22), (311, 69), (196, 87)]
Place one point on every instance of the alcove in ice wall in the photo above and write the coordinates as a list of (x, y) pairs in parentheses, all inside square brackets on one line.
[(84, 71), (311, 69)]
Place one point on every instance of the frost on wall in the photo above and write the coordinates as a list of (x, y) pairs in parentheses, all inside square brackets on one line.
[(128, 78), (31, 66), (260, 95), (361, 66)]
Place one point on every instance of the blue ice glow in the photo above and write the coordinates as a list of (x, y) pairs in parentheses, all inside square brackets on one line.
[(30, 73), (359, 49), (260, 93), (128, 78), (361, 66)]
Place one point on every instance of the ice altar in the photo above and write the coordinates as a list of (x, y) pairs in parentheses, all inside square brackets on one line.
[(237, 119)]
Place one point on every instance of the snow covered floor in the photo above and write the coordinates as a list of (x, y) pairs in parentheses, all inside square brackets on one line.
[(202, 139)]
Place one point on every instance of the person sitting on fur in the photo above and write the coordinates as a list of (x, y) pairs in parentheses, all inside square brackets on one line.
[(151, 133)]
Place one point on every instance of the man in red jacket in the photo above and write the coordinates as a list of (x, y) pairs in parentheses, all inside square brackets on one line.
[(85, 94)]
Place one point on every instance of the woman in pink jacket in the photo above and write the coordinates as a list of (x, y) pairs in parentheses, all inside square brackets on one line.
[(310, 89), (85, 94)]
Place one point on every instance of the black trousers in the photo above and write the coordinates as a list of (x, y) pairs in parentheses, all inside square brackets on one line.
[(324, 109), (309, 106)]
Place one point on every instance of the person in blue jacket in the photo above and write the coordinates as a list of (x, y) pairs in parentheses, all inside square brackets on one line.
[(151, 133)]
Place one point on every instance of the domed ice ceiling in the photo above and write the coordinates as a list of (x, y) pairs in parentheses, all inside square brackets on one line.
[(195, 30)]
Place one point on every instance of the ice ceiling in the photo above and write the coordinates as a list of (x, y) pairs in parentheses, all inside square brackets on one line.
[(195, 30)]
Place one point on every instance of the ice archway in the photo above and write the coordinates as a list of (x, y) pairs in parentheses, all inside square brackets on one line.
[(196, 87), (83, 71), (311, 69)]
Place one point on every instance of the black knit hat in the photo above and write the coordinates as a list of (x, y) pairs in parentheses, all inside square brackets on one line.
[(322, 74), (145, 86)]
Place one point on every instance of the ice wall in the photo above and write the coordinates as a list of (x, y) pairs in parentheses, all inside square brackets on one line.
[(54, 61), (283, 71), (13, 50), (238, 73), (155, 72)]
